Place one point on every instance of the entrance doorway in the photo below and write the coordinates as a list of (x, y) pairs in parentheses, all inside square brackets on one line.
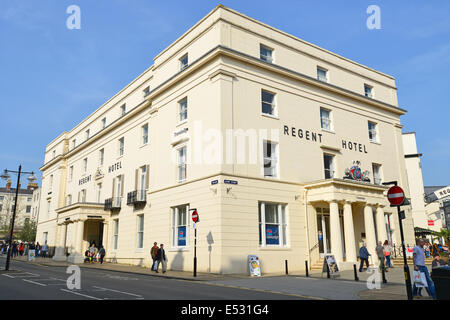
[(323, 230)]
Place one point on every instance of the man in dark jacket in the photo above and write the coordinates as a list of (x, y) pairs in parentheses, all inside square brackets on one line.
[(161, 258), (153, 253), (364, 257)]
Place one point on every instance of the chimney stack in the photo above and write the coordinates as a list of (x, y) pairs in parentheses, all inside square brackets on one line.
[(8, 185)]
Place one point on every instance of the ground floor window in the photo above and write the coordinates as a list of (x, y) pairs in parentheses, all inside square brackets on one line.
[(45, 237), (140, 231), (116, 234), (180, 226), (272, 224)]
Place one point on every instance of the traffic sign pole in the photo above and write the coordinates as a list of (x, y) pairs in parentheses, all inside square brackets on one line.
[(195, 219), (396, 197)]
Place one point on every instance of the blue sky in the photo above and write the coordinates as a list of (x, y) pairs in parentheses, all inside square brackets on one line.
[(53, 77)]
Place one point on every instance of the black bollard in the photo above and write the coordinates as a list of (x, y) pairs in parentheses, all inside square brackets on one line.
[(328, 271), (306, 268), (383, 274), (355, 273), (286, 263)]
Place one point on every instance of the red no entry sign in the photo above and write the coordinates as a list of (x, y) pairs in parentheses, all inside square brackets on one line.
[(195, 216), (396, 196)]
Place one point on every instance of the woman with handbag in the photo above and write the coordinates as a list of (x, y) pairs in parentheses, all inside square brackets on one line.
[(387, 249)]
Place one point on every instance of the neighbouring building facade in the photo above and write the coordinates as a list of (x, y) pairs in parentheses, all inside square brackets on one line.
[(427, 210), (24, 207), (280, 145)]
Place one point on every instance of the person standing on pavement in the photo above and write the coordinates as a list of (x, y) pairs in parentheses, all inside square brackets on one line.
[(44, 250), (387, 254), (419, 265), (364, 257), (14, 249), (380, 254), (153, 253), (38, 249), (161, 258), (102, 254)]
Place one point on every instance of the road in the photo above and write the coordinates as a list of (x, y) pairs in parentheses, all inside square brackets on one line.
[(36, 282)]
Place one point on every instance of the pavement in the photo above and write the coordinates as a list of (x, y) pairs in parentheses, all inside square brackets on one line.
[(292, 286)]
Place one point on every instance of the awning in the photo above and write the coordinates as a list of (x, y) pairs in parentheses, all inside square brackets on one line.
[(423, 231)]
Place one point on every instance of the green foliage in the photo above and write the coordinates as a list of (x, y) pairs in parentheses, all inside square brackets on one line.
[(28, 233), (444, 233)]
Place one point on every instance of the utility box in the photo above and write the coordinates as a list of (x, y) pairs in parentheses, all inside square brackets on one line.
[(441, 279)]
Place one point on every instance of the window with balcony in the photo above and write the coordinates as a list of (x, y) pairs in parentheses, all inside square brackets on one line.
[(272, 224), (328, 161), (123, 110), (99, 192), (325, 119), (68, 200), (265, 53), (83, 196), (268, 103), (270, 156)]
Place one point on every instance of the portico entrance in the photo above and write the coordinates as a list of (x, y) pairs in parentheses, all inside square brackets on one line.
[(347, 214)]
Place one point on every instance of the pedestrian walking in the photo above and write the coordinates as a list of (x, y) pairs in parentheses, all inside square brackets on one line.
[(364, 257), (21, 249), (44, 250), (153, 253), (387, 254), (380, 254), (14, 249), (162, 259), (38, 249), (102, 254), (419, 265)]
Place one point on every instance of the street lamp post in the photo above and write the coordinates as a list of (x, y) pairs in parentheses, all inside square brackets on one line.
[(6, 176)]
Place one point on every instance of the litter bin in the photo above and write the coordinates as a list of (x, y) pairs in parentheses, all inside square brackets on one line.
[(441, 279)]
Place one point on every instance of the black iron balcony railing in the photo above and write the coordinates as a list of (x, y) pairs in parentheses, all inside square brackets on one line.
[(112, 203), (136, 197)]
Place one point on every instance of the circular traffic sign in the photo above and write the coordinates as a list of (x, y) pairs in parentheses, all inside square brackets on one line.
[(396, 196), (195, 216)]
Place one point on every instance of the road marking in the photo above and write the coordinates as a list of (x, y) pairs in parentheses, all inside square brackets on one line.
[(7, 275), (131, 294), (30, 281), (80, 294), (26, 275)]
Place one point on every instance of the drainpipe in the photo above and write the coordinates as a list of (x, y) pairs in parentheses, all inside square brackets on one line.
[(305, 193)]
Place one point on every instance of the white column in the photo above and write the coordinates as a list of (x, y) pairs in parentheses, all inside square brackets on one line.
[(381, 224), (80, 234), (349, 233), (60, 243), (371, 241), (105, 236), (335, 230)]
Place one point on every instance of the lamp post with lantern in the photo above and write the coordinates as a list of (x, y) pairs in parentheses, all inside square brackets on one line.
[(6, 176)]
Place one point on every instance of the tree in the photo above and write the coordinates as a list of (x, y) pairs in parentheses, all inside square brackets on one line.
[(444, 233), (28, 233)]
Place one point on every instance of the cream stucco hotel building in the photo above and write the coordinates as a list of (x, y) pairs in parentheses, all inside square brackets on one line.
[(254, 128)]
